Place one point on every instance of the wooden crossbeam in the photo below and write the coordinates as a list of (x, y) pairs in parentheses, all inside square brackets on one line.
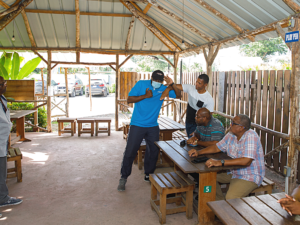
[(112, 67), (150, 26), (161, 28), (168, 60), (54, 66), (129, 32), (64, 12), (8, 11), (39, 55), (8, 18), (281, 32), (184, 23), (125, 60), (293, 5), (85, 63), (4, 4), (147, 8), (28, 29)]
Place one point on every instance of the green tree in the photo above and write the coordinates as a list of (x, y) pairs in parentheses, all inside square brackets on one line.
[(10, 66), (151, 63), (264, 48)]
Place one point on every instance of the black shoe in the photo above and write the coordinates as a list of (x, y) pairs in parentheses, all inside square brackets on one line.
[(146, 178), (196, 198), (11, 201)]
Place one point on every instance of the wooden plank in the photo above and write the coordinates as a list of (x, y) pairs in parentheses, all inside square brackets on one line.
[(286, 115), (164, 180), (271, 114), (229, 94), (171, 180), (214, 80), (247, 108), (167, 125), (225, 91), (179, 179), (269, 214), (279, 195), (242, 102), (158, 181), (226, 213), (237, 92), (185, 177), (273, 204), (232, 93), (278, 113), (174, 122), (122, 89), (259, 100), (264, 109), (253, 98), (247, 212)]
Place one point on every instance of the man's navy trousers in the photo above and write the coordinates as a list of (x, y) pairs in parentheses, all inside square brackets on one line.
[(135, 137)]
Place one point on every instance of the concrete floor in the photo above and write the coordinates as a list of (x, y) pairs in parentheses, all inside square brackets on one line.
[(72, 180)]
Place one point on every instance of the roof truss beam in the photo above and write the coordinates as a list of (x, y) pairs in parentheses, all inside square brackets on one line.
[(4, 4), (77, 22), (147, 8), (294, 6), (129, 32), (28, 29)]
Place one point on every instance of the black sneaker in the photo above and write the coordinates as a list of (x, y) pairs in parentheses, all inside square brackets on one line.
[(121, 186), (146, 178), (196, 198), (11, 201)]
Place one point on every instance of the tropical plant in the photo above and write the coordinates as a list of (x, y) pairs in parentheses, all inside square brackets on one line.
[(10, 66)]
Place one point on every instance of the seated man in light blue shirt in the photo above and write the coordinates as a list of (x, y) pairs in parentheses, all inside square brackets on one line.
[(146, 96), (5, 127)]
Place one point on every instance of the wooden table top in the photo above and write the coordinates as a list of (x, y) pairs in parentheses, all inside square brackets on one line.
[(17, 114), (179, 155), (262, 209), (166, 124)]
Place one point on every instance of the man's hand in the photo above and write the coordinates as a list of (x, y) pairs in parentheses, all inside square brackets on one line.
[(148, 93), (165, 94), (212, 162), (290, 205), (193, 153), (168, 80), (192, 140)]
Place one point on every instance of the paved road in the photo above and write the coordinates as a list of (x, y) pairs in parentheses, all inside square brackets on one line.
[(80, 106)]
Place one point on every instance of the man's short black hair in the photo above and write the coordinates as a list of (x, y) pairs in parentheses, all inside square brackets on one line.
[(204, 77), (245, 121)]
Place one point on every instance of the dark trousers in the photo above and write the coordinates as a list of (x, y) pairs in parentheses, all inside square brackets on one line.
[(3, 173), (190, 128), (135, 137)]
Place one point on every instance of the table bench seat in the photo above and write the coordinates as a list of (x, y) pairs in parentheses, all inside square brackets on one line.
[(82, 130), (102, 130), (15, 155), (67, 129)]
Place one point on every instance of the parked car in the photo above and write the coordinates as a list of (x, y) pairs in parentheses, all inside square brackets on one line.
[(98, 88), (39, 90), (75, 87)]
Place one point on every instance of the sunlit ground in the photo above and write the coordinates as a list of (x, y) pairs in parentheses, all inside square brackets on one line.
[(37, 157)]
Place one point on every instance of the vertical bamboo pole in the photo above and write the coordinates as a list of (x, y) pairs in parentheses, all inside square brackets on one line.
[(67, 91), (176, 58), (42, 75), (117, 93), (49, 125), (90, 88), (294, 112)]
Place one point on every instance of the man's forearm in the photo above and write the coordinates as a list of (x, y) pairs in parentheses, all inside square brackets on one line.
[(206, 143), (135, 99), (177, 91), (209, 150)]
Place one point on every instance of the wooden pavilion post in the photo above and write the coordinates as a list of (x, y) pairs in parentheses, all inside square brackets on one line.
[(176, 58), (294, 110), (67, 91), (117, 93), (90, 88), (49, 125), (209, 58)]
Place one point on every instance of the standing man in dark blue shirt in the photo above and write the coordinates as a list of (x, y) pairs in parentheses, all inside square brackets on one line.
[(146, 96), (5, 127)]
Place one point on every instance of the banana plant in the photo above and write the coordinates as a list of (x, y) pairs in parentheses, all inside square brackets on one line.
[(10, 66)]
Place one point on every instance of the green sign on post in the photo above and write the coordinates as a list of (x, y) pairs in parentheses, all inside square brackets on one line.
[(207, 189)]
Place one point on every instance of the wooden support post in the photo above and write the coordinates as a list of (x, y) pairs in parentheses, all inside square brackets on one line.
[(209, 58), (221, 92), (90, 87), (42, 75), (49, 125), (67, 91), (294, 112), (36, 115), (176, 58), (117, 93)]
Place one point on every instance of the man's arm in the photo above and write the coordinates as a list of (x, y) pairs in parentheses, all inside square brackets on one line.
[(229, 162), (176, 87), (134, 99), (207, 143), (209, 150)]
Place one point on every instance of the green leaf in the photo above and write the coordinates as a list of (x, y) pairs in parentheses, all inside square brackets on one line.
[(15, 66), (8, 64), (29, 67), (3, 72)]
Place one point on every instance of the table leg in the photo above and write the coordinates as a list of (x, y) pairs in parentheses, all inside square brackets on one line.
[(21, 129), (167, 136), (207, 193)]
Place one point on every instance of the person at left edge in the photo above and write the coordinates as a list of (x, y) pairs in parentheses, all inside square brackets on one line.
[(146, 96)]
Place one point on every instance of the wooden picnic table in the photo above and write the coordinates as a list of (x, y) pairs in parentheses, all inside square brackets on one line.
[(207, 176), (19, 116), (167, 126), (261, 209)]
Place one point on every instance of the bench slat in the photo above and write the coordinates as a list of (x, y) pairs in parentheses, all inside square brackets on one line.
[(174, 182), (18, 151), (11, 152), (179, 179), (185, 178), (158, 181), (164, 180), (269, 182)]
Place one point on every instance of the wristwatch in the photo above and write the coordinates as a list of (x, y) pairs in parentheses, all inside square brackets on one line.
[(222, 161), (171, 84)]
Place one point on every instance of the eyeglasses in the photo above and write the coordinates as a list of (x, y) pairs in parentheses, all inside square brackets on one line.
[(2, 84), (233, 123)]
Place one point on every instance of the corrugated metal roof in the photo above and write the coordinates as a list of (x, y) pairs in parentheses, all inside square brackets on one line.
[(107, 32)]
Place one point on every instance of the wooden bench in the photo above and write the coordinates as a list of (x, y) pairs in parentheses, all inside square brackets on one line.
[(140, 155), (62, 129), (171, 183), (126, 125), (103, 130), (178, 135), (15, 155), (85, 130)]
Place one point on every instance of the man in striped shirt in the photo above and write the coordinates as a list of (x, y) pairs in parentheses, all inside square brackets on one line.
[(244, 147), (209, 130)]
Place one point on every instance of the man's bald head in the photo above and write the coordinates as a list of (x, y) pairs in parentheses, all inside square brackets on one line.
[(203, 117), (204, 112)]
